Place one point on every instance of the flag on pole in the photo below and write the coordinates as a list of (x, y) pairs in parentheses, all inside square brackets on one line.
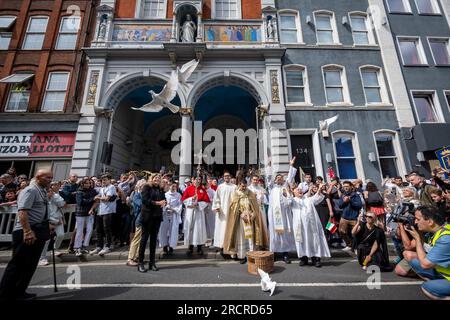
[(331, 226)]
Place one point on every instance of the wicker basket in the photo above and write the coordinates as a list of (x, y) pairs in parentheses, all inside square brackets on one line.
[(260, 259)]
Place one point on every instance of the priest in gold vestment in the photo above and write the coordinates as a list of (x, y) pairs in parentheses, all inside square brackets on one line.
[(245, 230)]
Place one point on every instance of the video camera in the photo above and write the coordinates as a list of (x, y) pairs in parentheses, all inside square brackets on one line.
[(403, 213)]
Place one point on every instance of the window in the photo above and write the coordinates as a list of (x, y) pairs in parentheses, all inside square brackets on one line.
[(361, 30), (326, 28), (447, 98), (297, 90), (374, 85), (345, 156), (412, 51), (399, 6), (386, 154), (6, 23), (289, 28), (19, 96), (335, 85), (155, 9), (440, 50), (427, 7), (427, 107), (68, 33), (34, 38), (55, 94), (227, 9)]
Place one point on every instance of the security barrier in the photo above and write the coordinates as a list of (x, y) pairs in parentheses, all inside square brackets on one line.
[(8, 216)]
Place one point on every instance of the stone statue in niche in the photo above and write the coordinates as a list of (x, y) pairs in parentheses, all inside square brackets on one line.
[(188, 30), (270, 29), (102, 27)]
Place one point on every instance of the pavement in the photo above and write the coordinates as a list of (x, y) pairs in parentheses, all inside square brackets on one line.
[(213, 278)]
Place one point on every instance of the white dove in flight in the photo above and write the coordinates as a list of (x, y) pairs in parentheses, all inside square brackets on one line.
[(186, 71), (324, 125), (163, 99), (266, 282)]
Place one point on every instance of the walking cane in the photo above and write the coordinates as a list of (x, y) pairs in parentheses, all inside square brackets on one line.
[(52, 242)]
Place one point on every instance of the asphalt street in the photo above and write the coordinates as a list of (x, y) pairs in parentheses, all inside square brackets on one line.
[(209, 279)]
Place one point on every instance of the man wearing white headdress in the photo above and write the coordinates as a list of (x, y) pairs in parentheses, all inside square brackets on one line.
[(309, 237), (280, 214), (168, 232)]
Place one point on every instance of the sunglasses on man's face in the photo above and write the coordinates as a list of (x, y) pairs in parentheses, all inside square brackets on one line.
[(371, 217)]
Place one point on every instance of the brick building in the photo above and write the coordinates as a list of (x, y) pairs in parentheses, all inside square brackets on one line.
[(42, 75)]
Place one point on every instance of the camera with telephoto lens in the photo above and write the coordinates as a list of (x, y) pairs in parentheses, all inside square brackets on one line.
[(403, 213)]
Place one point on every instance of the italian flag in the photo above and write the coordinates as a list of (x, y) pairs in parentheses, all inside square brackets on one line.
[(331, 227)]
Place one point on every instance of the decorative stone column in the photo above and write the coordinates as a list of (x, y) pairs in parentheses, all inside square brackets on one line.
[(186, 144), (173, 37), (199, 27)]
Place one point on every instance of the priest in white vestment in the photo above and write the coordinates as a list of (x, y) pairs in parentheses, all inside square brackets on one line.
[(309, 237), (221, 205), (281, 233), (168, 232), (261, 197), (210, 215)]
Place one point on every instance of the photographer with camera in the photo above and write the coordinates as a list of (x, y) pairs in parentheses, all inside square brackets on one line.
[(433, 266), (371, 242)]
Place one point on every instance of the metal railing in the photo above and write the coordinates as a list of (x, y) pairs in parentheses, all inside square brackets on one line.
[(8, 220)]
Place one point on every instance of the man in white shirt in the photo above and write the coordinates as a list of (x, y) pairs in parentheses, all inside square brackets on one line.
[(306, 183)]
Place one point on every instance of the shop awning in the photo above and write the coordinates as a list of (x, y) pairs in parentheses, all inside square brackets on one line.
[(6, 23), (17, 78)]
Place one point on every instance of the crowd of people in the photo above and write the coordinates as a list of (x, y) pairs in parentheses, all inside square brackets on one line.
[(248, 212)]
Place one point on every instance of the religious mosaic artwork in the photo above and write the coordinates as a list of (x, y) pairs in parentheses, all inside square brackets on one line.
[(274, 85), (214, 33), (92, 88), (139, 33)]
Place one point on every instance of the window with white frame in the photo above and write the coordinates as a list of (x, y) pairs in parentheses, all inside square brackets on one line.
[(412, 51), (447, 98), (19, 96), (335, 85), (399, 6), (361, 30), (227, 9), (296, 84), (326, 32), (386, 154), (427, 107), (6, 23), (68, 33), (55, 93), (289, 27), (345, 155), (427, 7), (374, 85), (153, 9), (34, 37), (440, 50)]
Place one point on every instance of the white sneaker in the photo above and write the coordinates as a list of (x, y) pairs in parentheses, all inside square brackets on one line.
[(43, 262), (347, 249), (95, 251), (78, 252), (58, 253), (104, 251)]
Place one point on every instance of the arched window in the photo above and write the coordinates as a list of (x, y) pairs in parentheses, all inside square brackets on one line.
[(347, 154), (55, 91), (290, 27), (297, 89), (361, 29), (335, 82), (68, 33), (374, 85), (34, 37), (6, 24), (326, 29)]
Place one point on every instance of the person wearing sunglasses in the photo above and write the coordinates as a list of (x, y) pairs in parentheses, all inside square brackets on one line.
[(371, 242)]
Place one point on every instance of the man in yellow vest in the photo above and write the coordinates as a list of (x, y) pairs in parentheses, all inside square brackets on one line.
[(433, 266)]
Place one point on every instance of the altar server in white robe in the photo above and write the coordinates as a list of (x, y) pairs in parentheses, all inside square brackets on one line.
[(280, 215), (168, 232), (221, 205), (309, 237), (196, 199), (210, 215), (261, 197)]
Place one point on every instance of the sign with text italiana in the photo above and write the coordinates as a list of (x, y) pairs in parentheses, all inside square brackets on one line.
[(34, 145)]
